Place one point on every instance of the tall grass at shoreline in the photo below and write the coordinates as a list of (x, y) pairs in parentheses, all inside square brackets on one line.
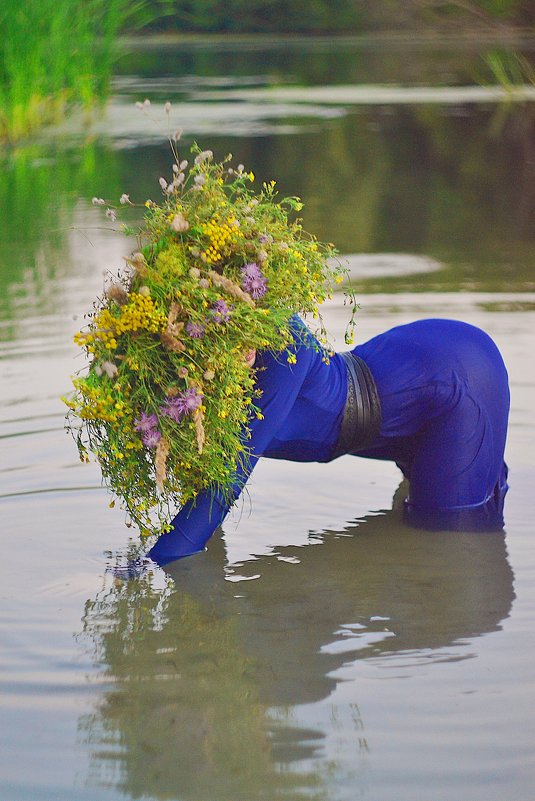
[(55, 52)]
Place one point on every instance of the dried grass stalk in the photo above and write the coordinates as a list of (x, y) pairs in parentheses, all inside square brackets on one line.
[(174, 308), (160, 460), (173, 327), (230, 287), (176, 329), (171, 342), (138, 263), (198, 416), (116, 293)]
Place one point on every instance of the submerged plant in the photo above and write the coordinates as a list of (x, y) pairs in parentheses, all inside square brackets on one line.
[(165, 401)]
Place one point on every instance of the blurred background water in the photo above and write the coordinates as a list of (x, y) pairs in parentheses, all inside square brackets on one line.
[(320, 648)]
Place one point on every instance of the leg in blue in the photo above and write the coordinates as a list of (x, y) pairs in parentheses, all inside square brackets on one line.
[(445, 401)]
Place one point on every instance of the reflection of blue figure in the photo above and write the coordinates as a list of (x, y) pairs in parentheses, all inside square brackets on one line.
[(191, 678), (431, 396)]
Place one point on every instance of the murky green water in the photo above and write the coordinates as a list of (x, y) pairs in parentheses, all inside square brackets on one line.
[(320, 649)]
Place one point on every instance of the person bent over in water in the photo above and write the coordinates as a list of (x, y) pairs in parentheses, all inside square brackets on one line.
[(431, 396)]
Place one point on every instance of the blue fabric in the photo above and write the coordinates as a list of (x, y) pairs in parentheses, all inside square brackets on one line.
[(444, 399), (445, 403)]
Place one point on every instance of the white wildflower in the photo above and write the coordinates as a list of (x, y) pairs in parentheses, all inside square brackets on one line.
[(124, 199), (204, 155), (167, 107), (179, 223), (110, 369), (111, 215), (98, 201)]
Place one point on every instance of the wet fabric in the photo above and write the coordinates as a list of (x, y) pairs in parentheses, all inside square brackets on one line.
[(445, 403), (444, 398)]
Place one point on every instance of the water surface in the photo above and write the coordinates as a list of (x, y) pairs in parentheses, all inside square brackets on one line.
[(320, 648)]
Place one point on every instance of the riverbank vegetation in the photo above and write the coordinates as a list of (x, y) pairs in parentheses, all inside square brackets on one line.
[(344, 16), (56, 52)]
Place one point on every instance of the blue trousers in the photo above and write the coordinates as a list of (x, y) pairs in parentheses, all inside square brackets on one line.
[(444, 398), (445, 404)]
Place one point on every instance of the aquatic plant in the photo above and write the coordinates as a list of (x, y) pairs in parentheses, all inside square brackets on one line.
[(165, 402), (53, 53)]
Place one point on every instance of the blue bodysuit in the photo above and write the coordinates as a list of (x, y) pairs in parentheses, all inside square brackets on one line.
[(443, 391)]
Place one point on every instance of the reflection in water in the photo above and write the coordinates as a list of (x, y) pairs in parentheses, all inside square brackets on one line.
[(182, 717), (304, 61), (41, 190), (195, 668), (204, 678), (455, 182), (418, 180)]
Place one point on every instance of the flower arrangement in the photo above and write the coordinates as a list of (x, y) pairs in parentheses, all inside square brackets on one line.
[(166, 397)]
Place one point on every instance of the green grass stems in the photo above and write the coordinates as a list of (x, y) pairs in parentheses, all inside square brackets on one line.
[(54, 53)]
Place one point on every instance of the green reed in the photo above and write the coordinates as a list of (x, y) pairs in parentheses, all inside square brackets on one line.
[(54, 53)]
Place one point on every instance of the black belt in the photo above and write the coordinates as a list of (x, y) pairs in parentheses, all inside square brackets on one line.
[(362, 414)]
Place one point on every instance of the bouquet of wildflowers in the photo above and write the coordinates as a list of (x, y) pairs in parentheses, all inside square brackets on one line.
[(165, 400)]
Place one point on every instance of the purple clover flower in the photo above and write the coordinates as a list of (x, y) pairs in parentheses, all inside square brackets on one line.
[(220, 312), (184, 403), (173, 408), (252, 269), (253, 280), (192, 399), (195, 330), (146, 423), (151, 438)]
